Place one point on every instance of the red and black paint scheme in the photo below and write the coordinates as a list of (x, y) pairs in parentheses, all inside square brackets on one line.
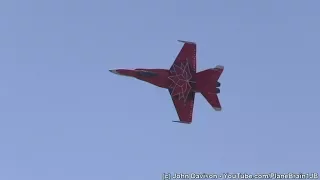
[(183, 81)]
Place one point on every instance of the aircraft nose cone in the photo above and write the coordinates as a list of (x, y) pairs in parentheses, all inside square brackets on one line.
[(114, 71)]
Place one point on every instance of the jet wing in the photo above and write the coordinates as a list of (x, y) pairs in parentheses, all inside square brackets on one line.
[(184, 108), (182, 76), (213, 100), (187, 55)]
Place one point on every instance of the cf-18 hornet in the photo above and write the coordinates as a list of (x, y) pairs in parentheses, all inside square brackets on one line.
[(182, 81)]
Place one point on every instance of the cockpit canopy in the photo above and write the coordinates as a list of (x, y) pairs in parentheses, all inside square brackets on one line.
[(146, 73)]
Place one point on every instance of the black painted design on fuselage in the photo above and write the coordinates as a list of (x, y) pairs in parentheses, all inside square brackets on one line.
[(147, 74)]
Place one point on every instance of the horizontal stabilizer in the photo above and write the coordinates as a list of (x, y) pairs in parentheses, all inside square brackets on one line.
[(218, 71), (213, 100), (219, 67)]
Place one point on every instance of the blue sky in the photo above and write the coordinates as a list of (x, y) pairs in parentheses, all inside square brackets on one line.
[(64, 116)]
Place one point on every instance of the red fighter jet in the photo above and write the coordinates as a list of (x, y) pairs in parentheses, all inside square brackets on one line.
[(183, 81)]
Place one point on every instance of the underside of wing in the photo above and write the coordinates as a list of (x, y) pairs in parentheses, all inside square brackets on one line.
[(184, 107), (182, 74), (213, 100), (186, 56)]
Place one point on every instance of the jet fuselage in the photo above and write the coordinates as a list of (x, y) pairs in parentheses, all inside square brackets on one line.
[(157, 77), (160, 78)]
